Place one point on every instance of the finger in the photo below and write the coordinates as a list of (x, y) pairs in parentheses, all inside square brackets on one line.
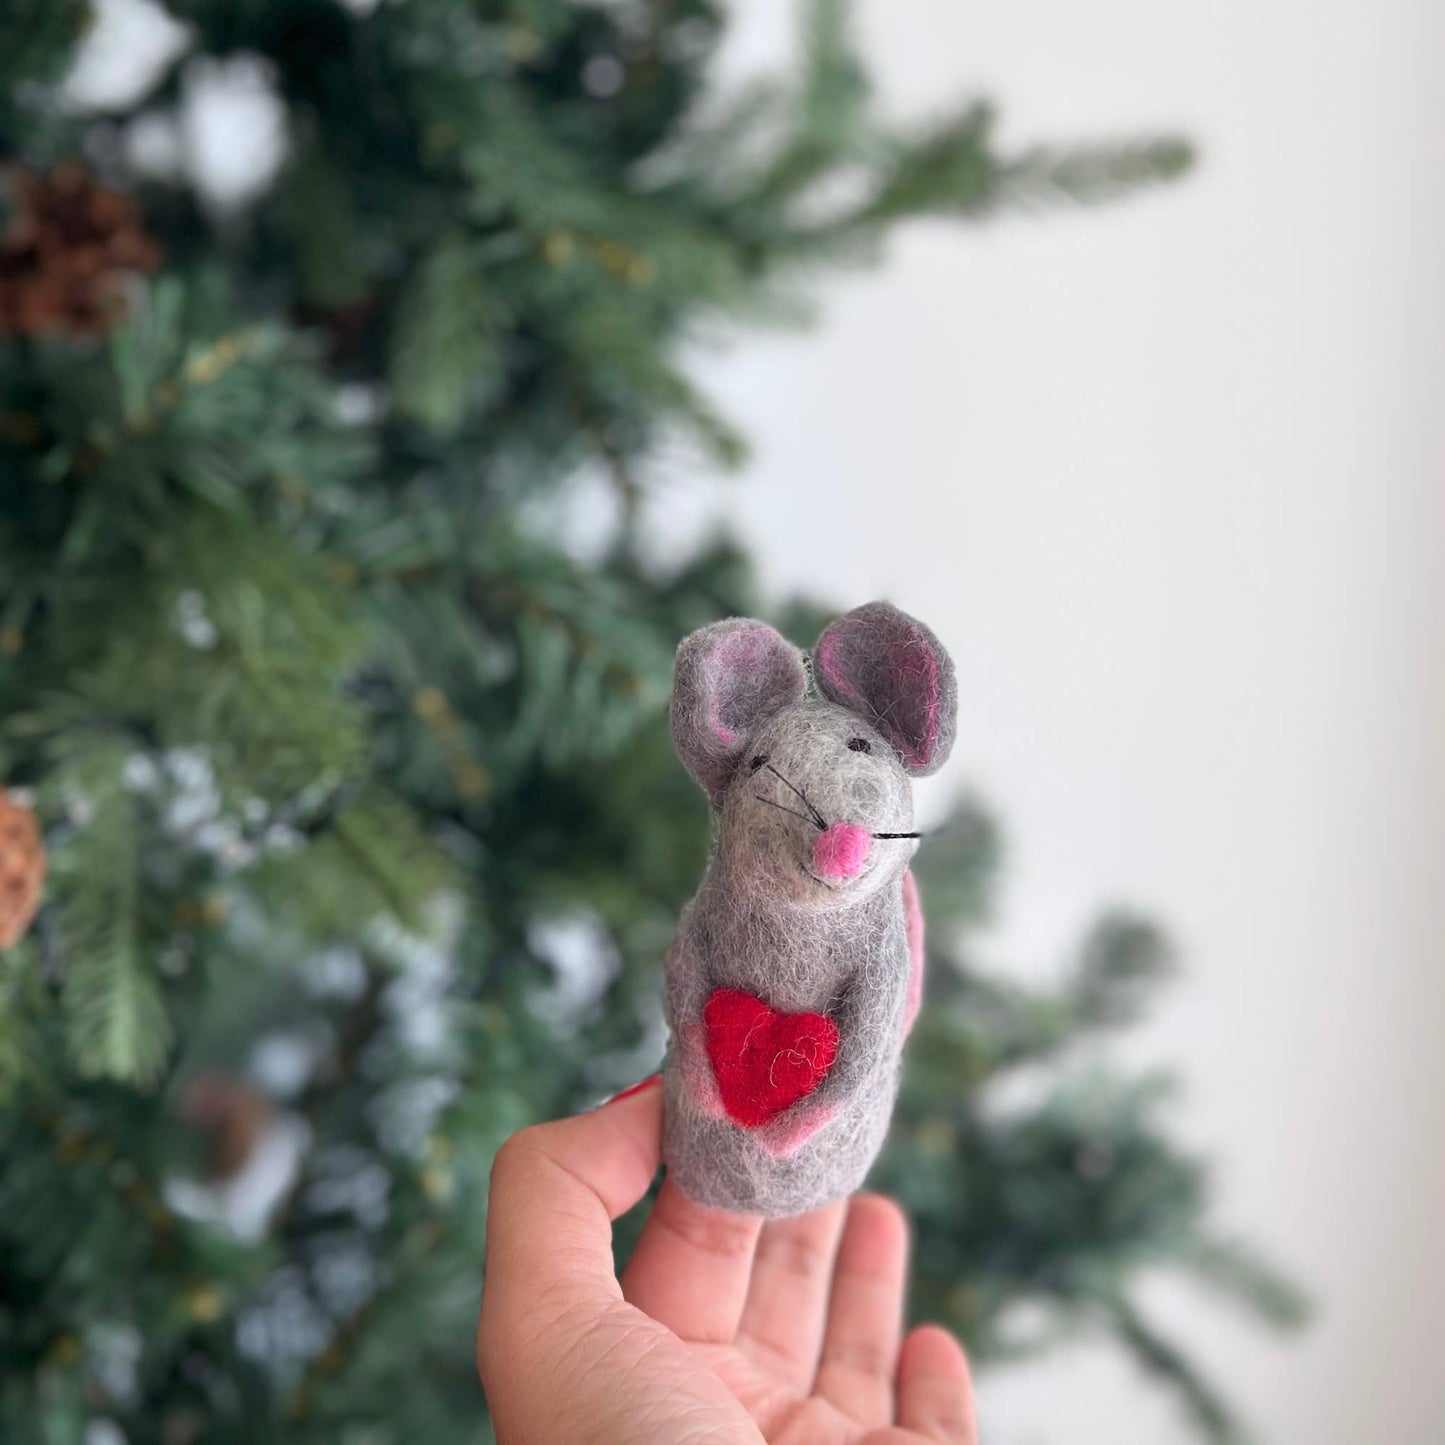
[(935, 1393), (690, 1267), (865, 1312), (555, 1190), (562, 1356), (782, 1323)]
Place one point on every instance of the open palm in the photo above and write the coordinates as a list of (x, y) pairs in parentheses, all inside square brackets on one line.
[(721, 1329)]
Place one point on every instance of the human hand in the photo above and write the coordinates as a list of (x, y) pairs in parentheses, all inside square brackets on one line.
[(723, 1330)]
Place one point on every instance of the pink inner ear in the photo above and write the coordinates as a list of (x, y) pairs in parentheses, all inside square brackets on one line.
[(741, 653), (825, 661), (911, 669), (917, 660)]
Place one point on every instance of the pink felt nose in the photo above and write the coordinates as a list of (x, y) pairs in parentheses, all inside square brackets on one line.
[(841, 850)]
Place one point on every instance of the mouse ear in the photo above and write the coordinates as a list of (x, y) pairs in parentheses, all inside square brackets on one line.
[(888, 667), (728, 679)]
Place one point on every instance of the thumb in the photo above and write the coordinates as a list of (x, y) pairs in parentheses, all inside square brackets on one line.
[(556, 1188), (561, 1355)]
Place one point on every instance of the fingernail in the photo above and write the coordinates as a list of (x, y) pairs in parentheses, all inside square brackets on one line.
[(647, 1083)]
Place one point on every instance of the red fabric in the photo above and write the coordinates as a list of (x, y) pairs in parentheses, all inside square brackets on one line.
[(764, 1060)]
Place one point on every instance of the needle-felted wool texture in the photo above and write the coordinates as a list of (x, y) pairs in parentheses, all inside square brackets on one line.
[(795, 971), (764, 1060)]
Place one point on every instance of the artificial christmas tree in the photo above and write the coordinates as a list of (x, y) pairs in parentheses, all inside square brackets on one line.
[(356, 785)]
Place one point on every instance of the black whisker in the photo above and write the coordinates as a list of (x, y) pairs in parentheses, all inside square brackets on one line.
[(898, 835), (808, 803), (782, 808), (817, 816)]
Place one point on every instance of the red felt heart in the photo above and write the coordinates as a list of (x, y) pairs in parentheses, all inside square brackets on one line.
[(764, 1060)]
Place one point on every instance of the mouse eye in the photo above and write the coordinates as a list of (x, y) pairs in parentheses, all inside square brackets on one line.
[(860, 745), (758, 761)]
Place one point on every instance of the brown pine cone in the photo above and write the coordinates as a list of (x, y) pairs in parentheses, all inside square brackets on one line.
[(67, 251), (22, 870), (233, 1114)]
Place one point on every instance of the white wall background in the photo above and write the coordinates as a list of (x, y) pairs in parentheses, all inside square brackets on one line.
[(1167, 477)]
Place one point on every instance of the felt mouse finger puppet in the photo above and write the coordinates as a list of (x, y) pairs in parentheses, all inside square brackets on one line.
[(797, 967)]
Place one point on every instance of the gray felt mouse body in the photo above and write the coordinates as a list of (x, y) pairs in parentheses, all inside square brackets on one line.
[(798, 965)]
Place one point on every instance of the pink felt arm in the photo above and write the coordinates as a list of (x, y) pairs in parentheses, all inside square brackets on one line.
[(913, 919), (697, 1071), (793, 1128), (688, 988)]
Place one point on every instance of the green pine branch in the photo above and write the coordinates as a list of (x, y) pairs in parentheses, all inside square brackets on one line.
[(115, 1014)]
